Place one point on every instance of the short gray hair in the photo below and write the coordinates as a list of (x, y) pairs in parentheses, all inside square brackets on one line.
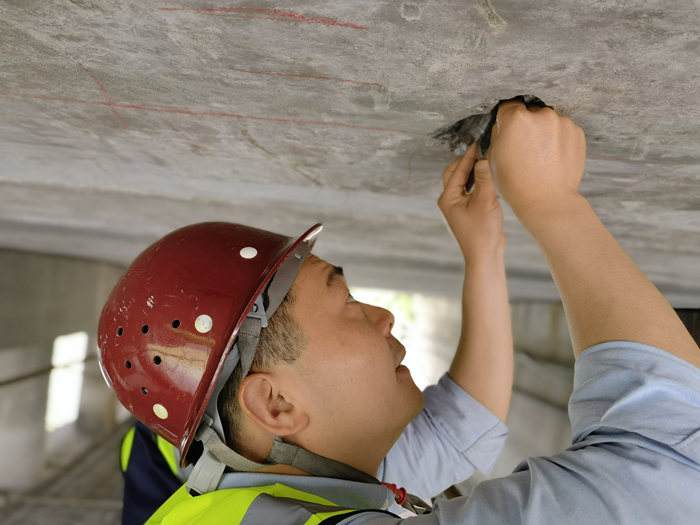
[(282, 341)]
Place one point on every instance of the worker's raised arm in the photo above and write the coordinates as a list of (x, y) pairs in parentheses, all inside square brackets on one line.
[(483, 363), (537, 158)]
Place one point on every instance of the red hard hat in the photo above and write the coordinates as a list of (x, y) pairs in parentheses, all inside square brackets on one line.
[(172, 319)]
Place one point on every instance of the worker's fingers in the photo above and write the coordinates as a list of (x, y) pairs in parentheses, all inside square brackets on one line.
[(484, 187), (505, 112), (457, 180), (449, 170)]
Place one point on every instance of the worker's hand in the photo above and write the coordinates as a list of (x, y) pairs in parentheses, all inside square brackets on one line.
[(536, 157), (476, 219)]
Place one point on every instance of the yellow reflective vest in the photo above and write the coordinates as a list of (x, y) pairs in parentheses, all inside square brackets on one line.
[(276, 504), (166, 449)]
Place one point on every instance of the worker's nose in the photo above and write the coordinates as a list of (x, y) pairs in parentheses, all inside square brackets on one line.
[(382, 317)]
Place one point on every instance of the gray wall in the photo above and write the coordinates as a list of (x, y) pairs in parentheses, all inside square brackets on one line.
[(43, 297)]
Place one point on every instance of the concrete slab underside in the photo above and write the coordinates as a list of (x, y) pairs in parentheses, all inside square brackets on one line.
[(122, 120)]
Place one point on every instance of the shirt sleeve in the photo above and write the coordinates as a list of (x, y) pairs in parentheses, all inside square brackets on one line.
[(635, 456), (628, 387), (452, 436)]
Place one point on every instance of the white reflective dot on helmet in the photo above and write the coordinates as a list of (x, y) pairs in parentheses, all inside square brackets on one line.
[(248, 252), (160, 411), (203, 323)]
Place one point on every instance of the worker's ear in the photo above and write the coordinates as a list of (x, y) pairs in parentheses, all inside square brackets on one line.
[(261, 399)]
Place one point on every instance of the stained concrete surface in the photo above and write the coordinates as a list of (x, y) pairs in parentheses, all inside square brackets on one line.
[(122, 120)]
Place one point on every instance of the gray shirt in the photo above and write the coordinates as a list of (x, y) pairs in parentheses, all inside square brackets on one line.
[(634, 459)]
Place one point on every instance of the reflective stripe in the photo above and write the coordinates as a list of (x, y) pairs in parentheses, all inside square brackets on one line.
[(270, 509), (168, 452), (274, 504), (127, 443)]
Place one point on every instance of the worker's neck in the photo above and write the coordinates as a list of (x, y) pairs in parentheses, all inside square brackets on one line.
[(293, 471)]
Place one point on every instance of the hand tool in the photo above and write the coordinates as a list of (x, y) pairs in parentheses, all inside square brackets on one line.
[(477, 128)]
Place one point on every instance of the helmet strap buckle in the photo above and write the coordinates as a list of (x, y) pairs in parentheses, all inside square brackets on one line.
[(206, 473), (258, 311)]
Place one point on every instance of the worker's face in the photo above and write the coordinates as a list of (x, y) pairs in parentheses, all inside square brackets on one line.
[(349, 380)]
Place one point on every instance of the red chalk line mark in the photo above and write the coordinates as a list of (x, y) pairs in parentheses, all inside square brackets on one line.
[(312, 77), (206, 113), (119, 120), (273, 14)]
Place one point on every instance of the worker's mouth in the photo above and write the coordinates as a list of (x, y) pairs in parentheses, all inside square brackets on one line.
[(401, 354)]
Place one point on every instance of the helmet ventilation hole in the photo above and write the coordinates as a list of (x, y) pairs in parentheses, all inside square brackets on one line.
[(144, 329), (127, 364), (157, 360), (144, 390), (176, 323), (120, 331)]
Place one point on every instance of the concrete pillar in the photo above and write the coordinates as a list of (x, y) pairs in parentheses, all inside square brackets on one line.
[(540, 329), (22, 412), (97, 402)]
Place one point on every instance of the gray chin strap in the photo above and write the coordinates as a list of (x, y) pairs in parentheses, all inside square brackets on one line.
[(282, 453)]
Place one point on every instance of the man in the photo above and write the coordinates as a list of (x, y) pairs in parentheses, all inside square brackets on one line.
[(334, 411), (149, 466)]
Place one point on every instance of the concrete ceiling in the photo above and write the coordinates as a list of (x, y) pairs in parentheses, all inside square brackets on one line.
[(121, 120)]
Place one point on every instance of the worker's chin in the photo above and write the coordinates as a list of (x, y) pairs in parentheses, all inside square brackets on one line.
[(404, 377), (411, 394)]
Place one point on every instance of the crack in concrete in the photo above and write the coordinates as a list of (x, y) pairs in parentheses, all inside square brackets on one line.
[(119, 120), (279, 15), (314, 181), (490, 14), (376, 85), (295, 166), (206, 113), (246, 134)]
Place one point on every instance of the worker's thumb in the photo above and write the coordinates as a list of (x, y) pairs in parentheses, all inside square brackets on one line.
[(483, 181)]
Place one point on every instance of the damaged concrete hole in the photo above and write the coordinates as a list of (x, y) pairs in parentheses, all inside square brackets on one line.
[(410, 11), (477, 127)]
